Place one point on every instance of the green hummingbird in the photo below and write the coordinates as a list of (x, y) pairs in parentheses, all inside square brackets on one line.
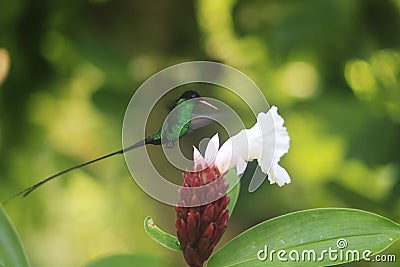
[(180, 121)]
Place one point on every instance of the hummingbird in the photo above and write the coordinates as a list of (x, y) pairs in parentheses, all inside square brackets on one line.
[(180, 122)]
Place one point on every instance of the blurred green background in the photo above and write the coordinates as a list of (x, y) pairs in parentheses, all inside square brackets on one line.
[(332, 68)]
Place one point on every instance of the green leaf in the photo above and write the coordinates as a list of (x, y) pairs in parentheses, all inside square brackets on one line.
[(11, 250), (165, 239), (306, 231), (126, 260), (233, 193)]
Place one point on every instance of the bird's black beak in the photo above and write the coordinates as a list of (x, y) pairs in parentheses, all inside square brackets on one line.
[(208, 104)]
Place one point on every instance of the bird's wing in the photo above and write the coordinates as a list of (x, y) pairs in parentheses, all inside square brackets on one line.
[(202, 120)]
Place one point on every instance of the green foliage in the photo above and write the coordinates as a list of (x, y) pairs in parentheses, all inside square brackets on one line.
[(11, 251), (233, 196), (160, 236), (126, 260), (317, 230)]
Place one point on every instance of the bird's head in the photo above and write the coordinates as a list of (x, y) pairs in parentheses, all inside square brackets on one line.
[(190, 94)]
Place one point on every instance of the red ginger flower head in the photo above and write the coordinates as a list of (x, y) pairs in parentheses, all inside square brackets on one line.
[(199, 228)]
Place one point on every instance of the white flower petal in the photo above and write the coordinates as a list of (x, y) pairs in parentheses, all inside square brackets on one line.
[(275, 138), (244, 145), (198, 159), (278, 175), (212, 149), (224, 160), (254, 139), (241, 165), (267, 141), (282, 139)]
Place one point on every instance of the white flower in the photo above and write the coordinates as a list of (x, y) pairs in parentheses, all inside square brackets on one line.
[(267, 141)]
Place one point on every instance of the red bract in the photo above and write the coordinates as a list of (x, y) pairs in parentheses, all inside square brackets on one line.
[(200, 228)]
